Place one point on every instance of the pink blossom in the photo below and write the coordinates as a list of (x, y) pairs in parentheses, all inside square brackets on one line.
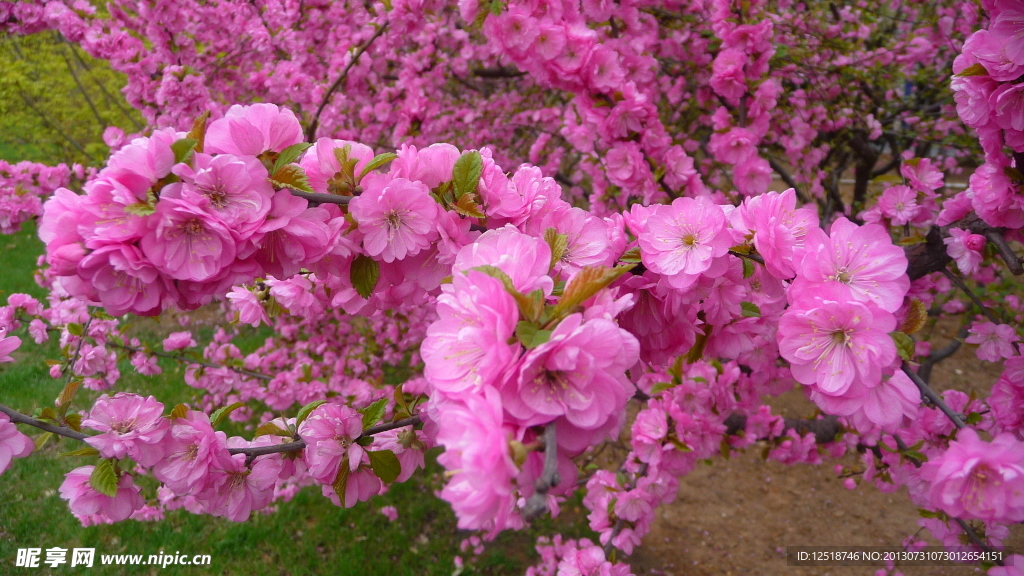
[(234, 491), (124, 280), (360, 486), (978, 479), (727, 76), (525, 259), (390, 512), (579, 373), (778, 228), (84, 500), (248, 308), (325, 173), (429, 166), (396, 220), (832, 342), (922, 174), (587, 238), (179, 341), (239, 192), (995, 340), (13, 444), (294, 235), (477, 455), (296, 295), (131, 426), (330, 433), (886, 406), (965, 247), (8, 344), (191, 447), (684, 237), (253, 130), (467, 347), (734, 146), (899, 204), (186, 242), (860, 261)]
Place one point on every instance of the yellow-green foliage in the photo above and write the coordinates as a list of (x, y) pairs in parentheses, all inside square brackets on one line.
[(55, 101)]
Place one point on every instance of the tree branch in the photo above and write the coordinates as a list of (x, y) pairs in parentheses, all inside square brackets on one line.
[(824, 429), (19, 418), (301, 444), (187, 360), (933, 398), (537, 504), (322, 198), (787, 178), (311, 131), (956, 280)]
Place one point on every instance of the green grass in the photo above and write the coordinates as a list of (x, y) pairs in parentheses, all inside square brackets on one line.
[(305, 536)]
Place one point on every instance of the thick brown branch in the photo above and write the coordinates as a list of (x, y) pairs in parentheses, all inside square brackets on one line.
[(824, 429)]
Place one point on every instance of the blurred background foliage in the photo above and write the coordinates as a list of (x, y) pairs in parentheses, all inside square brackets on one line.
[(56, 101)]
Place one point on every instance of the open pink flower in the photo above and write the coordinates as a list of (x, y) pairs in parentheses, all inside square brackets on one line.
[(125, 280), (525, 259), (995, 340), (293, 236), (832, 342), (467, 347), (684, 237), (131, 426), (778, 227), (478, 457), (965, 247), (237, 187), (579, 373), (179, 341), (978, 479), (234, 491), (899, 204), (861, 261), (324, 170), (13, 444), (84, 500), (191, 446), (252, 130), (8, 344), (396, 220), (886, 406), (330, 433), (186, 242)]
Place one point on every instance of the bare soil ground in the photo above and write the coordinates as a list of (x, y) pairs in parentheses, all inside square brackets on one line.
[(737, 516)]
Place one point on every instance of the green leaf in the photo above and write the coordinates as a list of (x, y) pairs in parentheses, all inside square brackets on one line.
[(74, 421), (385, 465), (661, 387), (291, 176), (68, 394), (289, 155), (305, 410), (748, 268), (217, 417), (183, 149), (140, 209), (973, 70), (364, 274), (466, 173), (364, 441), (750, 310), (270, 429), (373, 413), (341, 481), (697, 351), (530, 335), (467, 206), (632, 256), (42, 439), (916, 318), (584, 284), (179, 411), (104, 479), (75, 328), (87, 451), (973, 418), (558, 244), (378, 161), (198, 131), (904, 345)]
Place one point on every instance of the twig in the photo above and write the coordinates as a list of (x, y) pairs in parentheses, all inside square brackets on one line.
[(322, 198), (753, 257), (1008, 255), (537, 504), (620, 523), (932, 397), (970, 294), (787, 178), (186, 360), (925, 372), (300, 444), (19, 418), (311, 131), (976, 539)]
